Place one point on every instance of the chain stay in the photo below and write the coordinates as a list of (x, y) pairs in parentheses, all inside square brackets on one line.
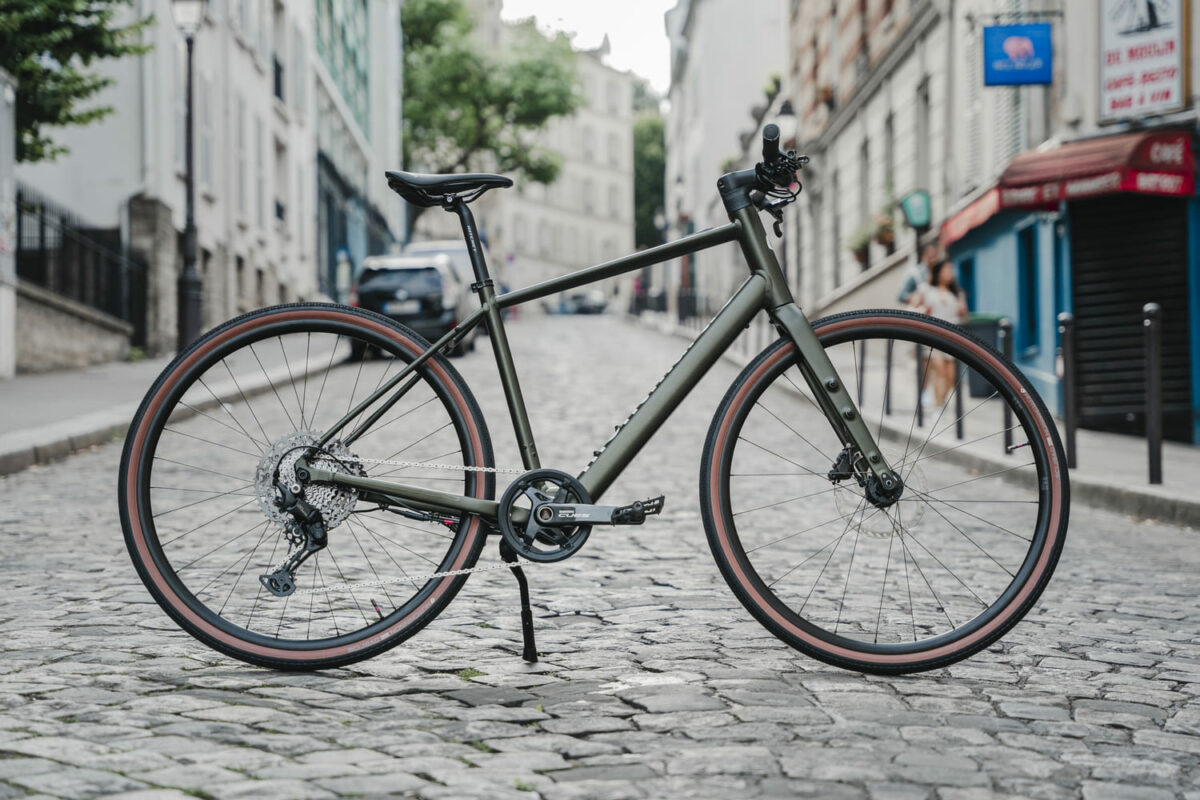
[(350, 586)]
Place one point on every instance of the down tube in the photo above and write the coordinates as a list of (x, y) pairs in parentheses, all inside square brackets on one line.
[(675, 385)]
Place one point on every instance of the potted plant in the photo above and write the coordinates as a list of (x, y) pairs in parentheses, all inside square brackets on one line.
[(885, 231), (860, 240)]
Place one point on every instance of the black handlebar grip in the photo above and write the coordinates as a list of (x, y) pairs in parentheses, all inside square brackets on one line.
[(770, 143)]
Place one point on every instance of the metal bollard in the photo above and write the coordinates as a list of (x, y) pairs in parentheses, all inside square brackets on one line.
[(920, 388), (1152, 327), (887, 379), (1066, 338), (1006, 347), (958, 399)]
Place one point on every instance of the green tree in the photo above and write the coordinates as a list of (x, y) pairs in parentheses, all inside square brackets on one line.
[(649, 177), (47, 45), (467, 109)]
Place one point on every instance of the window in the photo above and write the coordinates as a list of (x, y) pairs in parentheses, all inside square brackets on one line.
[(260, 157), (1027, 291), (589, 144), (589, 196), (299, 71), (614, 201), (207, 134), (922, 133), (614, 150), (966, 280), (239, 133)]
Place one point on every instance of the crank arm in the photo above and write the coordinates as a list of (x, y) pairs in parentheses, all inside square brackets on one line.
[(568, 515)]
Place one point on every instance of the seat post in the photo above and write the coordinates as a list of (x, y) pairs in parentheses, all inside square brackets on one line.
[(471, 235)]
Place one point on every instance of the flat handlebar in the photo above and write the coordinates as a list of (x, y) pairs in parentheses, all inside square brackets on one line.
[(770, 149)]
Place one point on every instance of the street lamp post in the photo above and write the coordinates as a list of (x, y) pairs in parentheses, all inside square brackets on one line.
[(189, 15)]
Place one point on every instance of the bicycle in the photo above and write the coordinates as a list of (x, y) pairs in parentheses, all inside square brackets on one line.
[(294, 504)]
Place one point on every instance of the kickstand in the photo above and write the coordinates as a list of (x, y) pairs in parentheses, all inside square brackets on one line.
[(508, 556)]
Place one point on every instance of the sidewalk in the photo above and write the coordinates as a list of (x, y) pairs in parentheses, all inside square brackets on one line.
[(46, 417), (1112, 470)]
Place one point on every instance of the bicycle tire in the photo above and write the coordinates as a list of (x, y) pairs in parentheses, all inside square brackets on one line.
[(760, 595), (357, 332)]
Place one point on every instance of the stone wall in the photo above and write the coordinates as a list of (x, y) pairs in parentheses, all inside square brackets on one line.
[(56, 333)]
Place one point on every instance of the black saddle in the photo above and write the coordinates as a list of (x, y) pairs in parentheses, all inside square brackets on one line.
[(440, 190)]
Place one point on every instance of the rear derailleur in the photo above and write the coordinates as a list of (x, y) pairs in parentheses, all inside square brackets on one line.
[(306, 535)]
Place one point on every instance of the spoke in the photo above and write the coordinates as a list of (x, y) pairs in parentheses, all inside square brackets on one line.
[(392, 558), (210, 522), (418, 441), (271, 383), (202, 491), (258, 591), (349, 587), (232, 492), (249, 558), (325, 376), (953, 574), (783, 502), (409, 549), (849, 571), (785, 458), (292, 379), (282, 615), (224, 407), (387, 521), (806, 530), (932, 427), (210, 441), (328, 596), (980, 477), (233, 564), (199, 469), (832, 553), (195, 410), (767, 474), (969, 539), (304, 394), (941, 606), (226, 543), (245, 400), (802, 393), (974, 408), (350, 527), (960, 500), (793, 430), (378, 428), (883, 586), (926, 498), (430, 460), (354, 390), (912, 426), (957, 446), (898, 532)]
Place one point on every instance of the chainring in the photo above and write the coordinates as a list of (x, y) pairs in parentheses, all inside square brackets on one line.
[(334, 502), (529, 539)]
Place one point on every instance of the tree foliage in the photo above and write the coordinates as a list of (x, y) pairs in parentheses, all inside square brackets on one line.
[(649, 177), (467, 109), (48, 45)]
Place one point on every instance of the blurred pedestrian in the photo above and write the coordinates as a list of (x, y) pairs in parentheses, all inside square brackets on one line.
[(941, 297), (918, 273)]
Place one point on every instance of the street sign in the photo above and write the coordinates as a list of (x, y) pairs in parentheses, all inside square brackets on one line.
[(1018, 55), (1142, 56)]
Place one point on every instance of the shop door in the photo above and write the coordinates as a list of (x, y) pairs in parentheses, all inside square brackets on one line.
[(1129, 250)]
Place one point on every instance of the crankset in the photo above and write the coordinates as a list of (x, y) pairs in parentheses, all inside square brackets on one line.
[(531, 538)]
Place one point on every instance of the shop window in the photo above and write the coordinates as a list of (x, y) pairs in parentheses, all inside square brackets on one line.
[(1027, 291)]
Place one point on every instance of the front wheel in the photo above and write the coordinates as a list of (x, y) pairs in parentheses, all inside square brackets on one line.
[(215, 442), (937, 575)]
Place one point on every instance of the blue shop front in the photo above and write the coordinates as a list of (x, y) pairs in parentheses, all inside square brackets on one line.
[(1099, 228)]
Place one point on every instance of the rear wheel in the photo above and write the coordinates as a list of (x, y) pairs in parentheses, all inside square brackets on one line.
[(930, 579), (202, 515)]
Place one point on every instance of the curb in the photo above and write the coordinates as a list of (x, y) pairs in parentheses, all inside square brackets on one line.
[(51, 443), (1141, 502)]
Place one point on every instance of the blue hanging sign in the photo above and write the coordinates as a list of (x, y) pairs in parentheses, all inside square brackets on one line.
[(1018, 55)]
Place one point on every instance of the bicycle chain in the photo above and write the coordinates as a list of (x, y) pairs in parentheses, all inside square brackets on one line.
[(420, 579)]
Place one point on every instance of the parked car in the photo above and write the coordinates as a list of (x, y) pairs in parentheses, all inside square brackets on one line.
[(421, 292), (455, 250)]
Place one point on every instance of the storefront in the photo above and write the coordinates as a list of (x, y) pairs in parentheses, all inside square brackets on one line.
[(1099, 228)]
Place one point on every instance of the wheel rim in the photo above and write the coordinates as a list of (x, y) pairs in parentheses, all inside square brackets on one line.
[(839, 617), (276, 398)]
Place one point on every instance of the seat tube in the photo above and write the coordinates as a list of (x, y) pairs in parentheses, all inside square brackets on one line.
[(508, 377)]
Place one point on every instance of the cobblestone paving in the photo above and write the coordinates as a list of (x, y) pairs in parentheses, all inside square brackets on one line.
[(654, 681)]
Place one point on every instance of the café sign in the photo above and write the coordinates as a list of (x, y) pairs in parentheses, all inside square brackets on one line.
[(1142, 57)]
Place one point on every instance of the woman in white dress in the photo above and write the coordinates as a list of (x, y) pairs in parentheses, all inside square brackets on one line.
[(941, 297)]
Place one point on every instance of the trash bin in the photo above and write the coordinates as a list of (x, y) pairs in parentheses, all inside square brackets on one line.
[(986, 327)]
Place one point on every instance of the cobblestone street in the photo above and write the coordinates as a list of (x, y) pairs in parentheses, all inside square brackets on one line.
[(654, 681)]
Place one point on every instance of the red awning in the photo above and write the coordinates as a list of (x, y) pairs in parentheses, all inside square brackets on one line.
[(1160, 163)]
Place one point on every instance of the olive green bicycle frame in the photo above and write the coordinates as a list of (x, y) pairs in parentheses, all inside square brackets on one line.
[(764, 290)]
